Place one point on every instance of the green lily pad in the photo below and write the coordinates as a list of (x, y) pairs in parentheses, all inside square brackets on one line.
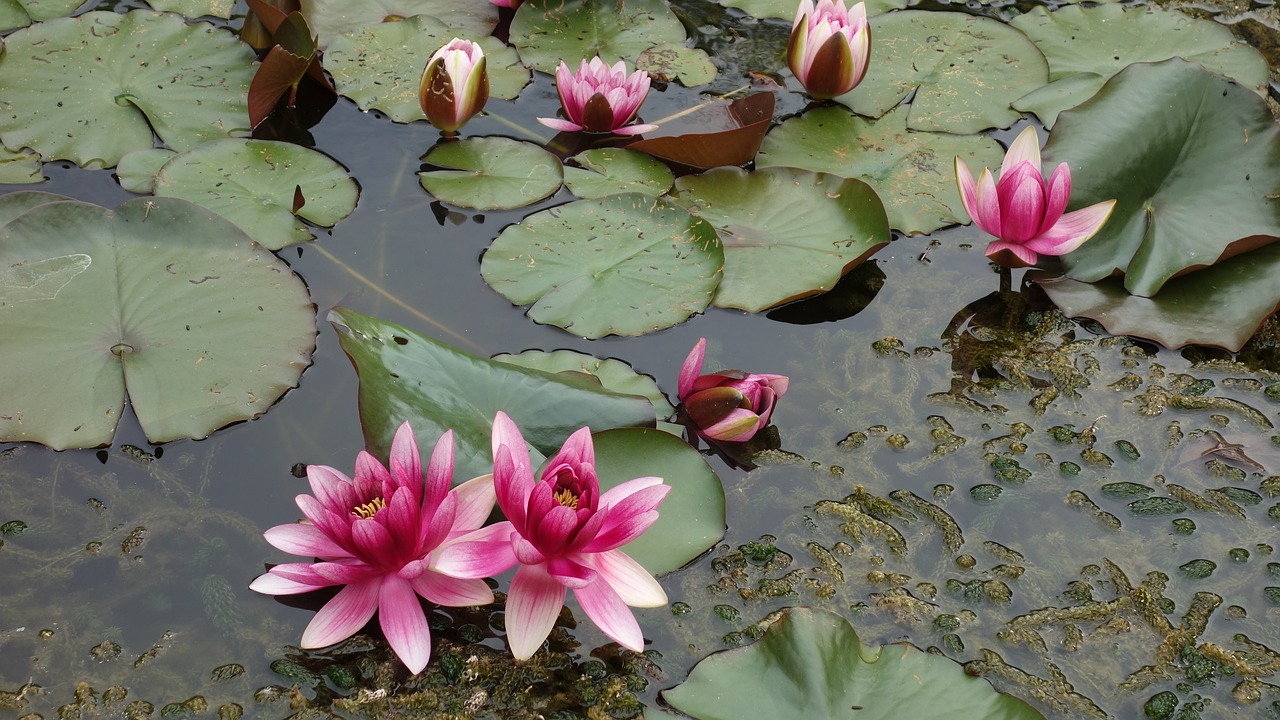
[(15, 203), (608, 171), (690, 519), (773, 254), (786, 9), (692, 66), (548, 31), (623, 264), (810, 664), (379, 66), (331, 18), (21, 13), (1193, 162), (1118, 37), (92, 88), (491, 173), (254, 183), (912, 172), (137, 171), (408, 376), (160, 298), (964, 71), (1221, 305), (614, 375), (20, 167), (195, 8)]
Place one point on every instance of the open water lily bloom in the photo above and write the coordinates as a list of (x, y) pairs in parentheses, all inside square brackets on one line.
[(830, 47), (600, 99), (1023, 211), (728, 405), (564, 534), (454, 85), (379, 535)]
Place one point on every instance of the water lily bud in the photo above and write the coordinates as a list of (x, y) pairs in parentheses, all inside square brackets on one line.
[(600, 99), (1025, 213), (455, 85), (729, 405), (829, 47)]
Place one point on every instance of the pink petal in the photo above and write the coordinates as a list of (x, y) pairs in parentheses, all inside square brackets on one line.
[(740, 425), (1021, 195), (437, 527), (372, 541), (439, 473), (483, 553), (1022, 252), (305, 540), (968, 188), (691, 368), (556, 528), (637, 129), (402, 522), (475, 502), (609, 613), (526, 552), (1056, 195), (404, 461), (533, 604), (1025, 148), (629, 519), (618, 493), (987, 204), (1073, 229), (570, 573), (273, 583), (343, 616), (328, 486), (345, 573), (512, 473), (560, 125), (336, 527), (634, 585), (404, 623), (371, 480), (452, 592)]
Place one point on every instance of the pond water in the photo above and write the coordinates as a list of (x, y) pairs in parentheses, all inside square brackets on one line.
[(968, 409)]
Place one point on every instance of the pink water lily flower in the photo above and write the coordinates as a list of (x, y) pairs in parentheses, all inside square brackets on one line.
[(728, 405), (1022, 211), (454, 85), (564, 534), (599, 98), (379, 535), (830, 47)]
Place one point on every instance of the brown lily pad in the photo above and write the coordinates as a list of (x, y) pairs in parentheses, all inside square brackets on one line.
[(743, 124)]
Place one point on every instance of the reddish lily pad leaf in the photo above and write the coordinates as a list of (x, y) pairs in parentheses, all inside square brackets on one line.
[(408, 376), (280, 72), (1221, 305), (1193, 162), (746, 120), (772, 254), (623, 265), (160, 298), (810, 664), (94, 87)]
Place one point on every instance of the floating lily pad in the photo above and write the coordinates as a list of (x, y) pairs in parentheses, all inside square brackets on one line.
[(786, 9), (912, 172), (379, 66), (137, 171), (408, 376), (623, 265), (810, 664), (690, 519), (548, 31), (692, 66), (773, 254), (614, 375), (19, 167), (331, 18), (195, 8), (1193, 162), (963, 70), (160, 298), (608, 171), (21, 13), (15, 203), (1222, 305), (254, 183), (1119, 36), (491, 173), (729, 133), (92, 88)]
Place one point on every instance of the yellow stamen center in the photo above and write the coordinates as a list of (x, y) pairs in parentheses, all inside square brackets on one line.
[(369, 509), (565, 497)]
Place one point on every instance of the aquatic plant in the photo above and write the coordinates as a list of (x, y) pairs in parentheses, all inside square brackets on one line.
[(454, 85), (600, 98), (727, 405), (830, 47)]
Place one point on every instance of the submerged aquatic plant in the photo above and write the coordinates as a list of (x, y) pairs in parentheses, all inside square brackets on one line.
[(727, 405), (563, 533), (455, 85), (379, 535), (830, 47), (600, 98), (1023, 211)]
